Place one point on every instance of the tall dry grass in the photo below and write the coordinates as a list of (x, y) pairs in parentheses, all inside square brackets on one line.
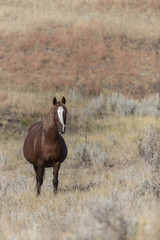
[(116, 201)]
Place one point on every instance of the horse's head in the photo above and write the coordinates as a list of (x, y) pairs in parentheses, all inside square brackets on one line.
[(60, 114)]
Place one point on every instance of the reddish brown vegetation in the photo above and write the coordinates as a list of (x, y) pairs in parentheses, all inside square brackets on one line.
[(139, 5), (63, 58)]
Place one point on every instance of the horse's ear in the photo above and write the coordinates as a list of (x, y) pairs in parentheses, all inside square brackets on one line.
[(54, 101), (63, 100)]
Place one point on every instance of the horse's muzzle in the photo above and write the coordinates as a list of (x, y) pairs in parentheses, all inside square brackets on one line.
[(61, 129)]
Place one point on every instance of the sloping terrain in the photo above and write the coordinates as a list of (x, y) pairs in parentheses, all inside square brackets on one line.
[(90, 46)]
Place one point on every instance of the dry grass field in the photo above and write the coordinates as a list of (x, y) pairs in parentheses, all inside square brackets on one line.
[(109, 185)]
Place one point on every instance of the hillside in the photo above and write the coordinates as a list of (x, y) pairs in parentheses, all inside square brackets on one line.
[(91, 46)]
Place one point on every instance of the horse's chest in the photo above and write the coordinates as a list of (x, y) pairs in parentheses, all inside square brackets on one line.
[(52, 153)]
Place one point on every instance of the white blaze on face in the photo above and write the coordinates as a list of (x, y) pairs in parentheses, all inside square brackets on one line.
[(60, 115)]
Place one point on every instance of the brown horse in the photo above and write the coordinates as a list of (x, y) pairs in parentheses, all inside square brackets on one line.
[(44, 146)]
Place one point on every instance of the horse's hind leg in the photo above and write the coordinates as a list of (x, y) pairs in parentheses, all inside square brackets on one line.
[(39, 176), (55, 173), (36, 171)]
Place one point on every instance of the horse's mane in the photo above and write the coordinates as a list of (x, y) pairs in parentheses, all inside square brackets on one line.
[(35, 125), (48, 121)]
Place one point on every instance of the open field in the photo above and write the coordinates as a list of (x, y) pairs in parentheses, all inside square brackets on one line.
[(112, 193), (109, 185)]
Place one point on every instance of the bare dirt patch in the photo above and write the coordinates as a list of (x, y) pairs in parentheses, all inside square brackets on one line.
[(13, 125)]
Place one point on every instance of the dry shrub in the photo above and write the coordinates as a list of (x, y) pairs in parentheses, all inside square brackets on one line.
[(94, 108), (90, 154), (118, 102), (149, 106), (85, 109), (114, 223), (156, 186), (149, 147)]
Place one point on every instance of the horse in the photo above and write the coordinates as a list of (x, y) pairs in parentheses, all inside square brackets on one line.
[(44, 147)]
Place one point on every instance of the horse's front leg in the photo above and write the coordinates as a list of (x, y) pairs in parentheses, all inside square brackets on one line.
[(56, 167), (39, 176)]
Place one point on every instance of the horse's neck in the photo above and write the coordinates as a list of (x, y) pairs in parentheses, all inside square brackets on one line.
[(50, 128), (52, 134)]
